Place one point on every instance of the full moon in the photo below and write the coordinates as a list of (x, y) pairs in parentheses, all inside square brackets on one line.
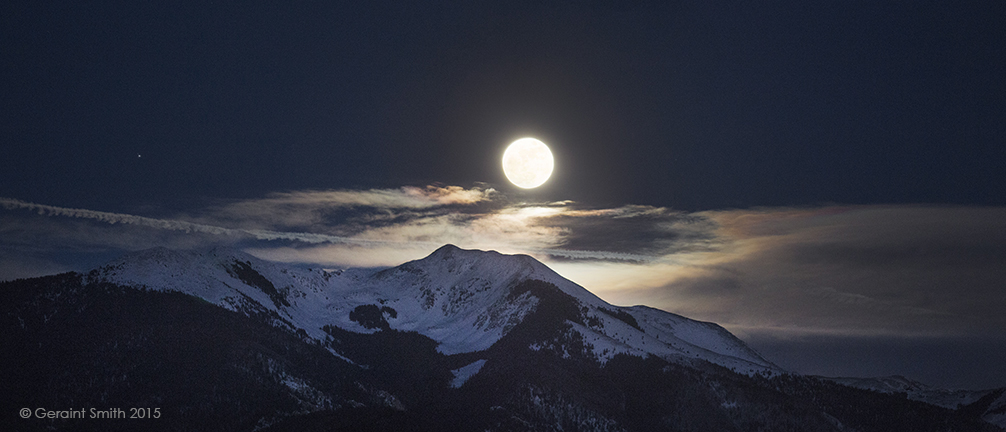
[(527, 163)]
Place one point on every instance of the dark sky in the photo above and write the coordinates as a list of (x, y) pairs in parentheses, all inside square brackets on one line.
[(787, 169), (698, 105)]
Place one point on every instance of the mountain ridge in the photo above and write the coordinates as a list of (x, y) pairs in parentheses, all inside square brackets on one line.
[(459, 298)]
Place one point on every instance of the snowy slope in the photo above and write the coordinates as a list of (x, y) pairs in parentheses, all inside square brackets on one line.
[(234, 280), (462, 299)]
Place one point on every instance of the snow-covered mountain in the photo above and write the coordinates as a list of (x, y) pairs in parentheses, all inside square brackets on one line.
[(459, 340), (465, 300)]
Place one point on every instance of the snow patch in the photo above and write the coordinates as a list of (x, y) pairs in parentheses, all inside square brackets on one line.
[(463, 373), (342, 357)]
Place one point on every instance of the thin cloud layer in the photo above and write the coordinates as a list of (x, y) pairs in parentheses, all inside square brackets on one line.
[(922, 271), (905, 270), (316, 209), (344, 228)]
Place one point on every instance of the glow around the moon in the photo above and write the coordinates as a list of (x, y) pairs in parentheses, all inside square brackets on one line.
[(527, 163)]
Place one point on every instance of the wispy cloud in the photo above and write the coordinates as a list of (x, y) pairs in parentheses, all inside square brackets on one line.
[(169, 224), (409, 219), (867, 302), (858, 270), (319, 209)]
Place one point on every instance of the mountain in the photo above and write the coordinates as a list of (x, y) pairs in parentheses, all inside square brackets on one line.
[(461, 299), (459, 340), (991, 403)]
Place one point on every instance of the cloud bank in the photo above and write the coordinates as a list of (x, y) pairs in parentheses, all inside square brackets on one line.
[(912, 271), (347, 228)]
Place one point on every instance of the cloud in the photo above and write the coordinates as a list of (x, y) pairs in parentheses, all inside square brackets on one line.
[(357, 228), (404, 197), (182, 225), (921, 270), (115, 218), (909, 270), (316, 209)]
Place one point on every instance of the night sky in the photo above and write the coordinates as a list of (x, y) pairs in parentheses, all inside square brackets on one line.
[(824, 180)]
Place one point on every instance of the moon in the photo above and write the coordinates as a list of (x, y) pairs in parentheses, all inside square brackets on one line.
[(527, 163)]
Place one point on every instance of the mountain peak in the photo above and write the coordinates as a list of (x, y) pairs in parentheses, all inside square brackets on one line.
[(447, 248), (452, 253), (449, 251)]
